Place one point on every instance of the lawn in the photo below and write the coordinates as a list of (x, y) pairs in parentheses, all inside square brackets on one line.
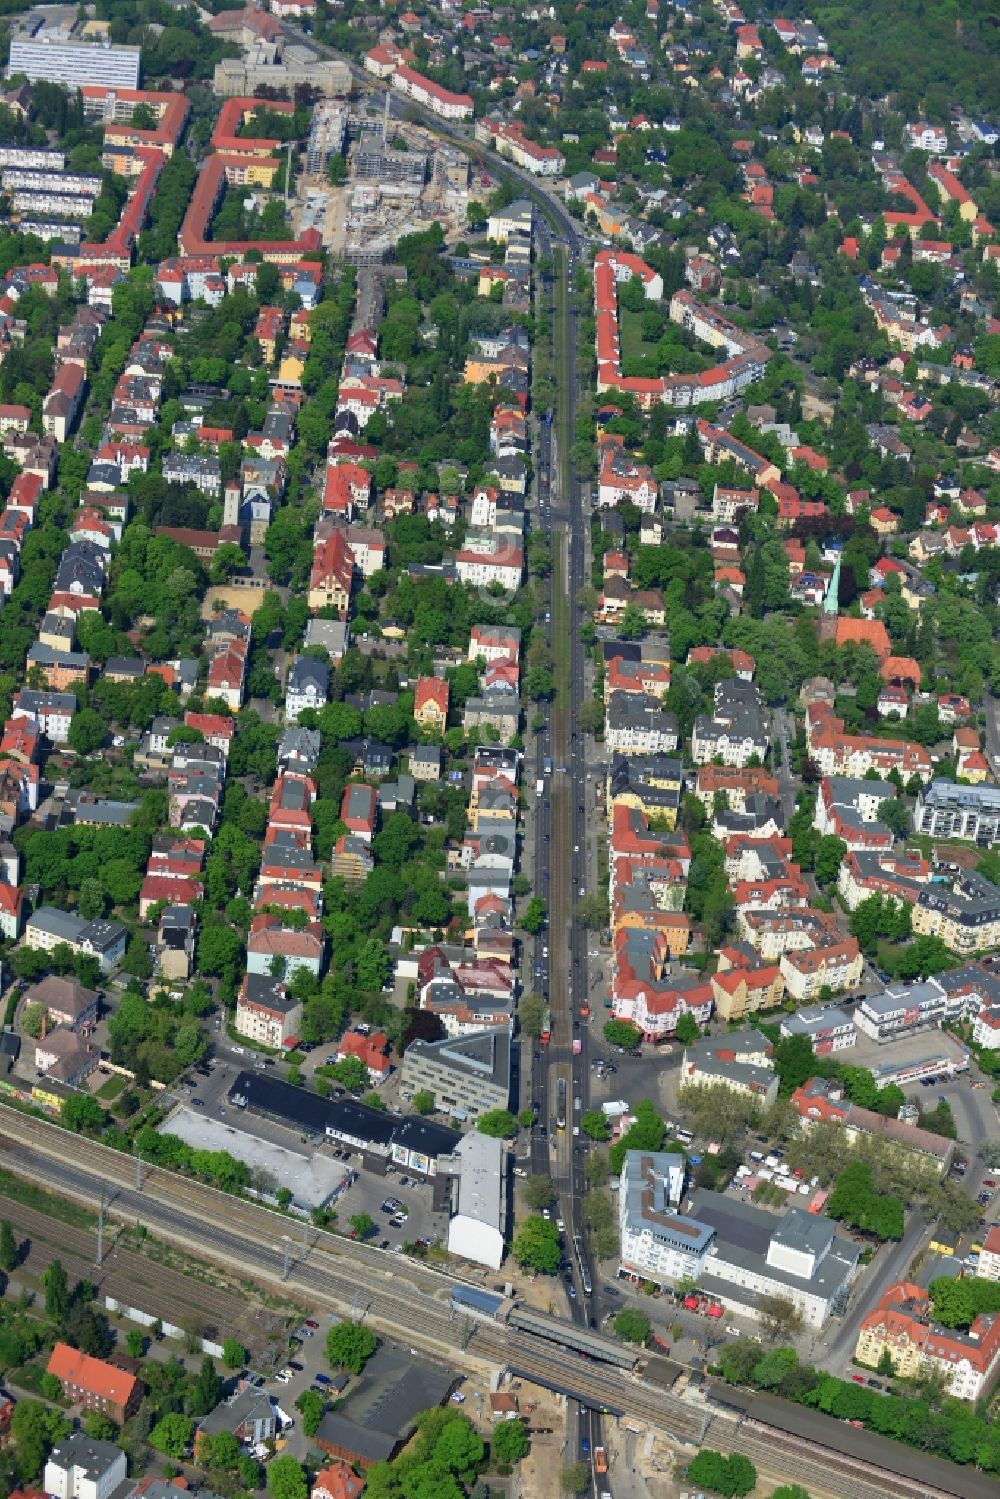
[(630, 331), (110, 1090)]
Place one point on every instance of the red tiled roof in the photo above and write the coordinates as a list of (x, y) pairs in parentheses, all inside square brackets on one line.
[(91, 1374)]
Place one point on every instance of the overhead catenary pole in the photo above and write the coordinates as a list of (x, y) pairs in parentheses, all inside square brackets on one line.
[(100, 1228)]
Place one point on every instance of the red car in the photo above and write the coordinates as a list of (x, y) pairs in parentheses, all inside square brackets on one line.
[(858, 1378)]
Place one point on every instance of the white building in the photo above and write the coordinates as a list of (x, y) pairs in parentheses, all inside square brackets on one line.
[(431, 95), (74, 64), (503, 565), (476, 1227), (828, 1028), (734, 1251), (81, 1468), (308, 686), (656, 1242)]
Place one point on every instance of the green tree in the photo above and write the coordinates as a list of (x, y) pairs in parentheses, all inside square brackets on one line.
[(363, 1225), (633, 1325), (8, 1248), (509, 1442), (350, 1346), (135, 1343), (82, 1112), (459, 1447), (575, 1478), (499, 1123), (207, 1389), (172, 1435), (87, 731), (531, 1013), (56, 1284), (312, 1405), (534, 916), (954, 1301), (221, 1451), (423, 1101), (539, 1192), (893, 812), (35, 1428), (830, 853), (537, 1246), (686, 1029), (594, 1124), (622, 1033), (98, 1426), (286, 1479), (234, 1355), (731, 1476), (351, 1072)]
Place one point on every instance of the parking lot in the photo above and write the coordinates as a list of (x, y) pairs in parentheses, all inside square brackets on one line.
[(921, 1045), (370, 1191)]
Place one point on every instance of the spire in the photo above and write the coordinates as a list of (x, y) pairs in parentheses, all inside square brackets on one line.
[(831, 599)]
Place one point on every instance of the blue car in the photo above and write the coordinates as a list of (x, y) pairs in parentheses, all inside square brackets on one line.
[(585, 1445)]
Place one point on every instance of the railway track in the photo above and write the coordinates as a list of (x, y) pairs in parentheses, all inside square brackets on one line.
[(139, 1280), (410, 1300), (782, 1453)]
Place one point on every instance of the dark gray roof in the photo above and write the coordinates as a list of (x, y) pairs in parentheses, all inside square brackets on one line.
[(343, 1116), (381, 1412)]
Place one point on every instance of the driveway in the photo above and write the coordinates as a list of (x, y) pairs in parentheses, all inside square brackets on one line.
[(889, 1266)]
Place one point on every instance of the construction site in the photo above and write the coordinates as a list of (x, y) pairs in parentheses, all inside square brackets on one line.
[(400, 179)]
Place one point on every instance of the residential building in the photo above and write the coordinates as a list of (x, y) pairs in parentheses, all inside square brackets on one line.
[(94, 1384), (989, 1256), (430, 704), (47, 927), (468, 1075), (965, 916), (902, 1326), (265, 1012), (822, 1101), (248, 1415), (829, 1029), (371, 1049), (74, 64), (831, 964), (175, 938), (637, 725), (947, 810), (744, 989), (431, 95), (79, 1467), (308, 686), (337, 1481), (66, 1002), (741, 1062)]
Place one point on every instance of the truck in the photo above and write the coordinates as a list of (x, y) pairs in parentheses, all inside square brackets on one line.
[(600, 1460), (539, 787), (577, 1046)]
